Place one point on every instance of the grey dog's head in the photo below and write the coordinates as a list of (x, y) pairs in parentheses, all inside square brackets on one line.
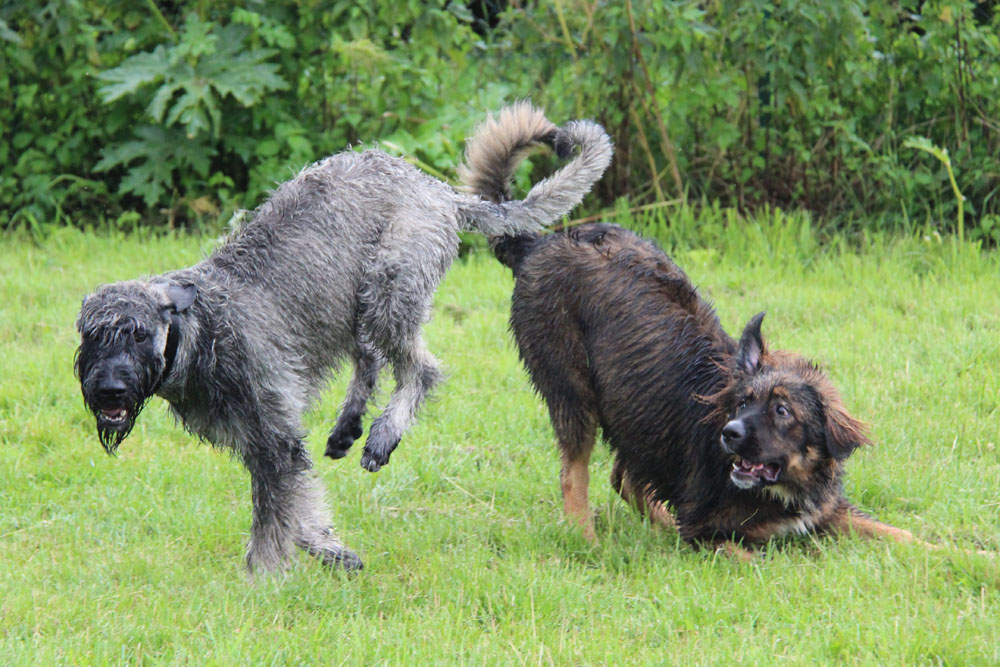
[(126, 350)]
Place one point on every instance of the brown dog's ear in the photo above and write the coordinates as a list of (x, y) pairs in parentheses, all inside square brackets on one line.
[(844, 433), (751, 347)]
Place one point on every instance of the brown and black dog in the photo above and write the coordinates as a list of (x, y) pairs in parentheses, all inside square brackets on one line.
[(729, 441), (740, 444)]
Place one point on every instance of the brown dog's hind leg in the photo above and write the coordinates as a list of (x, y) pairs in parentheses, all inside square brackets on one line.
[(570, 401), (657, 512), (574, 478), (553, 351)]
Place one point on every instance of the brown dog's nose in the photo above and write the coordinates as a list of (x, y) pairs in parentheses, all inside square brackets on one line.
[(733, 433)]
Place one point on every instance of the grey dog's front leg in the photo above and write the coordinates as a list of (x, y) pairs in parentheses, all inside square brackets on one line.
[(271, 537), (289, 510)]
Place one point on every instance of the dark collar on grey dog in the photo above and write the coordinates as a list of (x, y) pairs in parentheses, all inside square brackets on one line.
[(170, 351)]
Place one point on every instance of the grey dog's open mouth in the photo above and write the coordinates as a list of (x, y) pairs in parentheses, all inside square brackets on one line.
[(114, 415), (747, 473)]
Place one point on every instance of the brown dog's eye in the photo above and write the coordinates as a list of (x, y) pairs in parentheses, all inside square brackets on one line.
[(782, 411)]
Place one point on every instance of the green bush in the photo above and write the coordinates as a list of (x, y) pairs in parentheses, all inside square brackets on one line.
[(114, 112), (799, 103), (121, 106)]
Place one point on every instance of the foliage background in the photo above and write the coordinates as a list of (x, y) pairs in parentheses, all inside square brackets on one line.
[(124, 113)]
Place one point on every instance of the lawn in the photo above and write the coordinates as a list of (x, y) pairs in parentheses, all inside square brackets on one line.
[(468, 559)]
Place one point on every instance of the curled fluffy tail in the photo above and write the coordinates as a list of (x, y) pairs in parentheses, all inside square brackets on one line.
[(498, 146)]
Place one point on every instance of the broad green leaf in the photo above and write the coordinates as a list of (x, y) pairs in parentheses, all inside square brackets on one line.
[(135, 72), (121, 154), (9, 35), (158, 105)]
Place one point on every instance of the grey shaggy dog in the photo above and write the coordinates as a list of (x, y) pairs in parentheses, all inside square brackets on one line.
[(341, 262)]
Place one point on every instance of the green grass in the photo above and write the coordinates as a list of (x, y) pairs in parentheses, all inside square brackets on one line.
[(468, 559)]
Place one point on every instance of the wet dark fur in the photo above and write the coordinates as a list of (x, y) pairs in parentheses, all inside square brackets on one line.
[(125, 359), (615, 336), (137, 390)]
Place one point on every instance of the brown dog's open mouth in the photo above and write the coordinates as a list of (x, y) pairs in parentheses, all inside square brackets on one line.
[(747, 473)]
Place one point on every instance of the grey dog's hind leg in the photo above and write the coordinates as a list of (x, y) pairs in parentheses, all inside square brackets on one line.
[(394, 300), (289, 510), (416, 372), (367, 364)]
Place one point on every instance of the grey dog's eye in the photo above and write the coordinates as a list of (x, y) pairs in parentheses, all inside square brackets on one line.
[(139, 335)]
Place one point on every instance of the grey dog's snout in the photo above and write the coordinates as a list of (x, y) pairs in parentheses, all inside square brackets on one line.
[(111, 384), (111, 388)]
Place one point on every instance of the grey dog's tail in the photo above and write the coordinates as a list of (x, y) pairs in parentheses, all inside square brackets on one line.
[(496, 148)]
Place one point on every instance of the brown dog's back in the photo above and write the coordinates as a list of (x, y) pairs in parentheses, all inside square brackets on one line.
[(604, 321)]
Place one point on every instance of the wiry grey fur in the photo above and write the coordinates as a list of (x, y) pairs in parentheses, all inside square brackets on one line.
[(341, 261)]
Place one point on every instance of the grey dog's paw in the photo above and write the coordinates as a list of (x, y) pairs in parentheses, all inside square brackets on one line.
[(331, 551), (343, 558), (343, 436), (376, 455)]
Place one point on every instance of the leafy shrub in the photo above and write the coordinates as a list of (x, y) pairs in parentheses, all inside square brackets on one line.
[(185, 87), (190, 113), (798, 103), (48, 115), (187, 111)]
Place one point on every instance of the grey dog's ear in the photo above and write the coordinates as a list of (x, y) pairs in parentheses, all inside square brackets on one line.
[(181, 296), (79, 319)]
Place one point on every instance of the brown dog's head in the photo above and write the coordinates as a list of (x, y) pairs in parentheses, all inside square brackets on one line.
[(785, 420)]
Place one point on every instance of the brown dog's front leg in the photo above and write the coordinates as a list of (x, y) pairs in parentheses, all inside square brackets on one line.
[(661, 517), (848, 519), (734, 550)]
